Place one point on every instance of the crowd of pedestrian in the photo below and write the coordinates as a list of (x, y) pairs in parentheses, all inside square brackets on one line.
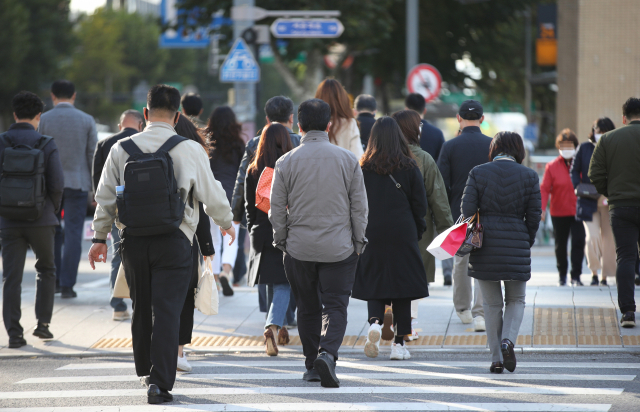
[(347, 208)]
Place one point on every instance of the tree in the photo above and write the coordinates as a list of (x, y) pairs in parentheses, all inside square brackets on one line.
[(35, 39)]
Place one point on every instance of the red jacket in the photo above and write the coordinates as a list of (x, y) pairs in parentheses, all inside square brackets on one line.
[(556, 183)]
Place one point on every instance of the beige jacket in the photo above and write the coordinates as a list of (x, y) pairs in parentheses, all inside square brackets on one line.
[(348, 136), (192, 172)]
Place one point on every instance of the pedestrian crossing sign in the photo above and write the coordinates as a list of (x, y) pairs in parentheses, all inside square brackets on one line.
[(240, 66)]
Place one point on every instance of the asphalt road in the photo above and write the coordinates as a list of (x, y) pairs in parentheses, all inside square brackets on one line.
[(252, 382)]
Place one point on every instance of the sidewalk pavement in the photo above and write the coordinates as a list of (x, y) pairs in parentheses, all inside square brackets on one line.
[(571, 319)]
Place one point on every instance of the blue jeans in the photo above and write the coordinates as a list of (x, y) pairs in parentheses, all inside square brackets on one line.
[(240, 268), (118, 304), (279, 294), (74, 203)]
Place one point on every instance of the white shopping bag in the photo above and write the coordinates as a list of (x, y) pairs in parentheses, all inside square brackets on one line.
[(207, 291), (447, 243)]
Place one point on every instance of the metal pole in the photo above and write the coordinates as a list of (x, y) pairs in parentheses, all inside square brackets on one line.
[(245, 106), (527, 64), (412, 34)]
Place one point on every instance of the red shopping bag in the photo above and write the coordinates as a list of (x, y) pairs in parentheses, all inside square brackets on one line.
[(263, 192), (447, 243)]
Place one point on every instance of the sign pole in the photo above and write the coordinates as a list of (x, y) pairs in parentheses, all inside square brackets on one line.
[(245, 101), (412, 34)]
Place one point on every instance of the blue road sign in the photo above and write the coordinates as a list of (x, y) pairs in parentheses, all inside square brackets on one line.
[(240, 66), (307, 28)]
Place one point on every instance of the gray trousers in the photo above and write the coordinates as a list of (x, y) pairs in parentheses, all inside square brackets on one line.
[(465, 296), (447, 267), (498, 326)]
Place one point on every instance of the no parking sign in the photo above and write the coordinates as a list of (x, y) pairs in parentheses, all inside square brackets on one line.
[(425, 80)]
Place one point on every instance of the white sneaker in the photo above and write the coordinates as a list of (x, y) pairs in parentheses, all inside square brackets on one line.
[(414, 333), (465, 316), (183, 364), (399, 352), (120, 316), (478, 324), (372, 346)]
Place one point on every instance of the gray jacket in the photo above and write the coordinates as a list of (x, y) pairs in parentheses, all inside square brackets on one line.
[(75, 134), (319, 203)]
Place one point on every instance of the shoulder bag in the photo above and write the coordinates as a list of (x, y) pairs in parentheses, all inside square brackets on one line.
[(587, 190), (473, 240)]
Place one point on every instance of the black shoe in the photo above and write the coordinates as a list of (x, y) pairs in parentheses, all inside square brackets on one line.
[(68, 293), (496, 367), (628, 320), (226, 288), (637, 280), (447, 281), (603, 282), (156, 395), (311, 375), (326, 368), (594, 281), (42, 331), (17, 342), (508, 355), (576, 282), (562, 282)]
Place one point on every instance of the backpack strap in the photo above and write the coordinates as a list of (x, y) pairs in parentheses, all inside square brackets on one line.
[(130, 147), (172, 142), (42, 142)]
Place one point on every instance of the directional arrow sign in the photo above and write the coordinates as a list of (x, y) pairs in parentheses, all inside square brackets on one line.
[(240, 66), (307, 28)]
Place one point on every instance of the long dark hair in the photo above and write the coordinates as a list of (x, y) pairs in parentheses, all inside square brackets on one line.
[(604, 125), (274, 142), (332, 92), (387, 150), (186, 128), (223, 132), (409, 122)]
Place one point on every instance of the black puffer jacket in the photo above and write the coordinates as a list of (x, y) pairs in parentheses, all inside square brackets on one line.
[(507, 195)]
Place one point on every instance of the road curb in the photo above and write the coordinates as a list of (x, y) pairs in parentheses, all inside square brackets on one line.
[(285, 350)]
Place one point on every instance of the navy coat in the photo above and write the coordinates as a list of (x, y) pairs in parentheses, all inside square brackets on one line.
[(580, 174)]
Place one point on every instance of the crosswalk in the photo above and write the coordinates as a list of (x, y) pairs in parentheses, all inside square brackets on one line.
[(253, 383)]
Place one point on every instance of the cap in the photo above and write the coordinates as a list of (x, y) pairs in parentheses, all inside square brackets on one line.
[(468, 107)]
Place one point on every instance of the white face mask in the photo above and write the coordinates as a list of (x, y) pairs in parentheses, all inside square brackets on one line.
[(597, 136), (567, 153)]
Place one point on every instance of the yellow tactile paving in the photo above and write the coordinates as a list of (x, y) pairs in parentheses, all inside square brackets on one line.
[(631, 340)]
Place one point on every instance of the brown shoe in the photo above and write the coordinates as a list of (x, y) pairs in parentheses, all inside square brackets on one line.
[(270, 342), (387, 325), (283, 337)]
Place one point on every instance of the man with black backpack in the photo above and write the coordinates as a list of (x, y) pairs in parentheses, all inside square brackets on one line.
[(31, 186), (151, 185)]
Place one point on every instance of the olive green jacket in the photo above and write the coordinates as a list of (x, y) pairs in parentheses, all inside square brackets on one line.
[(438, 213)]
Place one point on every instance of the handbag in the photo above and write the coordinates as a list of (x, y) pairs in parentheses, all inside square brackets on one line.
[(587, 190), (121, 288), (263, 191), (473, 239), (206, 294)]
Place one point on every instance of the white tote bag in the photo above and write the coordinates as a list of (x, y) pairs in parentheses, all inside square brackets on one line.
[(207, 291)]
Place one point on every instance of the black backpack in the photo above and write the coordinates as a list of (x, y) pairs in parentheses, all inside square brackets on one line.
[(22, 183), (150, 203)]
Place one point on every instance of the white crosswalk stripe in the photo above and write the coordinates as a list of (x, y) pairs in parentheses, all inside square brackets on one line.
[(365, 384)]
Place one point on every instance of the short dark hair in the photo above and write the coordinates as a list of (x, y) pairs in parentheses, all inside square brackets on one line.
[(191, 104), (567, 135), (279, 109), (416, 102), (63, 89), (509, 143), (163, 98), (314, 114), (603, 125), (631, 108), (27, 105), (365, 102)]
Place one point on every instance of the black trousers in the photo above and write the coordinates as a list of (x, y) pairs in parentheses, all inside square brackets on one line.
[(14, 252), (401, 313), (186, 316), (158, 271), (322, 291), (625, 222), (562, 227)]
